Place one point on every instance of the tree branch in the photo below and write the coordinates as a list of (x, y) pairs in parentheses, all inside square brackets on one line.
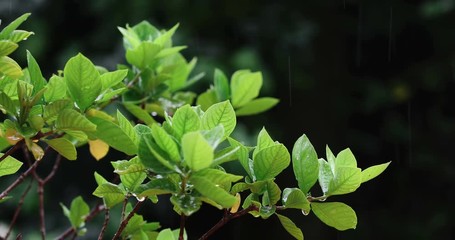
[(125, 221)]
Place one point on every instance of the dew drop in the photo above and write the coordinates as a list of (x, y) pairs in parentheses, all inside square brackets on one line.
[(305, 212)]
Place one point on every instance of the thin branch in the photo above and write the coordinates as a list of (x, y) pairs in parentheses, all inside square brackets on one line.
[(106, 221), (12, 150), (18, 209), (19, 180), (95, 211), (226, 218), (126, 220), (125, 202)]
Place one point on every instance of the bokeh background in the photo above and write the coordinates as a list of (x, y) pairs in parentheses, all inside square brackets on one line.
[(375, 76)]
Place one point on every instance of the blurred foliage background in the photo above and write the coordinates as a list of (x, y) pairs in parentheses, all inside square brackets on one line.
[(375, 76)]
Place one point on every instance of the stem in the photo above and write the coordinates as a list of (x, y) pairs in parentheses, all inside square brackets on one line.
[(125, 221), (106, 221), (41, 209), (18, 209), (12, 150), (182, 226), (19, 180), (226, 218)]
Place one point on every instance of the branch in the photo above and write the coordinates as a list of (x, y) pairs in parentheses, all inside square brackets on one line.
[(226, 218), (19, 180), (12, 150), (182, 226), (126, 220), (18, 209), (106, 221)]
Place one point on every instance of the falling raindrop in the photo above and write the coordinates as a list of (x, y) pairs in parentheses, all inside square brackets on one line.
[(389, 56)]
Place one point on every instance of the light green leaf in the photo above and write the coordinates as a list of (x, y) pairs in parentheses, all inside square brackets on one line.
[(63, 147), (143, 55), (69, 119), (197, 152), (36, 77), (290, 227), (305, 163), (110, 79), (221, 85), (214, 136), (269, 162), (345, 158), (10, 68), (152, 156), (211, 191), (330, 158), (295, 198), (263, 141), (256, 106), (272, 193), (166, 234), (78, 211), (19, 35), (114, 136), (373, 171), (220, 113), (325, 176), (99, 179), (346, 180), (169, 51), (166, 37), (5, 33), (207, 99), (245, 86), (134, 176), (140, 113), (242, 155), (6, 104), (9, 165), (225, 155), (166, 143), (56, 89), (82, 80), (185, 120), (217, 176), (52, 110), (335, 214), (111, 194), (7, 47), (127, 127)]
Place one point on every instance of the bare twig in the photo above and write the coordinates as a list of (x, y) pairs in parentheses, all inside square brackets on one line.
[(19, 180), (226, 218), (126, 220), (106, 221), (18, 209), (182, 226), (12, 150)]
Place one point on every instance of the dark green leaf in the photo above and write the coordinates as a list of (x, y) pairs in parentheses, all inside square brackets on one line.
[(36, 77)]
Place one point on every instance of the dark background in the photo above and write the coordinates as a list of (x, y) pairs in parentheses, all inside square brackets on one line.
[(374, 76)]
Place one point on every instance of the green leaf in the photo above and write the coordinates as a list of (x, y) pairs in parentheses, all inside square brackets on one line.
[(245, 86), (185, 120), (335, 214), (225, 155), (325, 176), (143, 55), (110, 79), (305, 163), (295, 198), (139, 113), (9, 165), (7, 47), (36, 77), (290, 227), (346, 180), (197, 152), (10, 68), (56, 89), (166, 143), (263, 141), (221, 85), (166, 37), (220, 113), (127, 127), (149, 154), (269, 162), (217, 176), (272, 193), (69, 119), (211, 191), (99, 179), (345, 158), (78, 211), (114, 136), (257, 106), (52, 110), (242, 155), (6, 104), (373, 171), (5, 33), (166, 234), (134, 177), (82, 80), (207, 99), (156, 187), (214, 136), (111, 194), (169, 51), (19, 35), (63, 147)]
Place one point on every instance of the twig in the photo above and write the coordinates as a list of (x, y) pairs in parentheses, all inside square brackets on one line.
[(182, 226), (18, 209), (12, 150), (226, 218), (126, 220), (106, 221), (19, 180)]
